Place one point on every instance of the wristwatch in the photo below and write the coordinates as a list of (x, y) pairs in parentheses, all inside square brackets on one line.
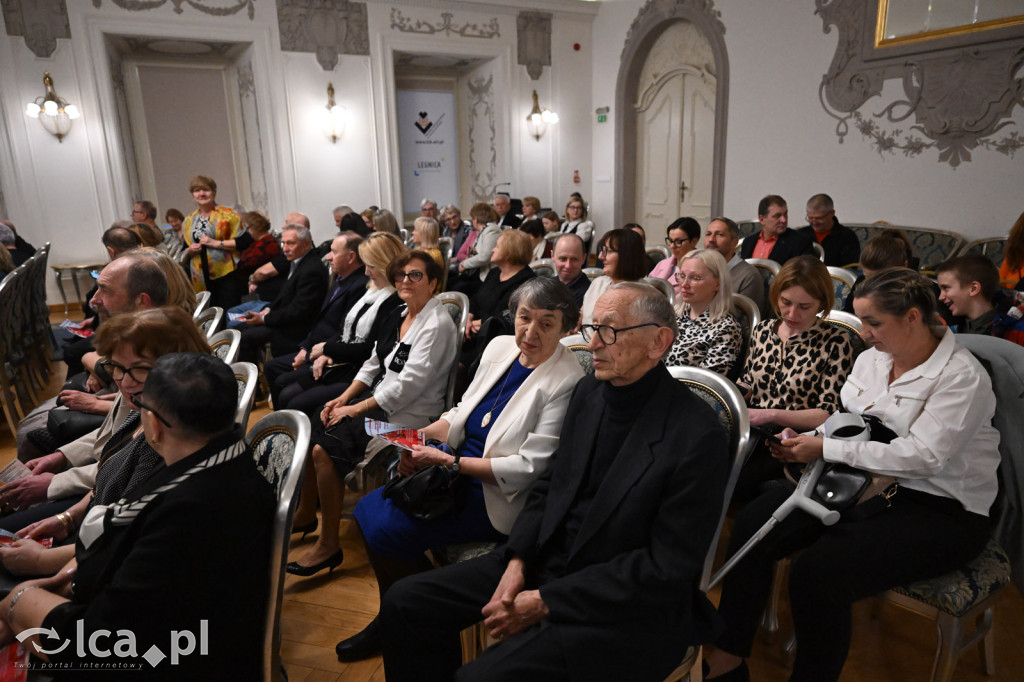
[(455, 465)]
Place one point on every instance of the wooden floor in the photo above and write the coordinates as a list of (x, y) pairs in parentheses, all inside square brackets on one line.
[(888, 643)]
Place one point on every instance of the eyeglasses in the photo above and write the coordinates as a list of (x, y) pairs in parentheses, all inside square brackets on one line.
[(605, 250), (413, 276), (609, 335), (679, 278), (574, 207), (137, 399), (818, 218), (138, 374), (138, 210), (678, 243)]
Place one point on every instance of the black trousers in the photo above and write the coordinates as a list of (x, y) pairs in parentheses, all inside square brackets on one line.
[(422, 615), (920, 536), (255, 336)]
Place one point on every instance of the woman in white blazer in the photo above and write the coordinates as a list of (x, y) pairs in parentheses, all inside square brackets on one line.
[(501, 437)]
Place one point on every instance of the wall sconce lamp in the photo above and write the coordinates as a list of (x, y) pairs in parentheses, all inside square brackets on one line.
[(539, 118), (334, 117), (52, 111)]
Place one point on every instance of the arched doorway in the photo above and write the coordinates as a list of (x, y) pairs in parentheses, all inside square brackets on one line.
[(701, 22)]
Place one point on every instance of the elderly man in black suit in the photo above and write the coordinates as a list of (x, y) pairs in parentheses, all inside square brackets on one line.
[(774, 241), (290, 317), (349, 286), (599, 577)]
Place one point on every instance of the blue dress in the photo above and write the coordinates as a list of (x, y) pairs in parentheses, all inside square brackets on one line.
[(392, 533)]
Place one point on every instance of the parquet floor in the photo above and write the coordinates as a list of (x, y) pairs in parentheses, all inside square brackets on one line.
[(889, 644)]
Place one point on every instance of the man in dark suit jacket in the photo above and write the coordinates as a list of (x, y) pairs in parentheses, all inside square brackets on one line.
[(349, 286), (599, 578), (774, 241), (289, 318), (506, 218), (839, 242)]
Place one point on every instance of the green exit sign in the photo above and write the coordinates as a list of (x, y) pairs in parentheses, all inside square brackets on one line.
[(602, 118)]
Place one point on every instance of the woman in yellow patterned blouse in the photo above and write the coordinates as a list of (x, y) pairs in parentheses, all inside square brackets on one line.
[(212, 267)]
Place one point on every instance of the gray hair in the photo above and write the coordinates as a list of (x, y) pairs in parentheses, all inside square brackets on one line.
[(6, 235), (428, 201), (649, 305), (302, 232), (820, 203), (547, 293), (734, 229), (715, 262), (342, 210)]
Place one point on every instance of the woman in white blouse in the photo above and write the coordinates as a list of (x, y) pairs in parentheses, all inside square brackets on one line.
[(403, 382), (576, 221), (938, 401), (709, 336)]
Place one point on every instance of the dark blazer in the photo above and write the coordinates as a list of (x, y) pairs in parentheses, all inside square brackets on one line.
[(335, 307), (356, 352), (197, 551), (790, 244), (509, 220), (296, 307), (459, 236), (632, 574), (841, 245)]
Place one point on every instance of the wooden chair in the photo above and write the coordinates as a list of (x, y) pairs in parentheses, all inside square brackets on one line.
[(280, 445), (593, 273), (202, 303), (246, 374), (843, 281), (658, 252), (768, 269), (663, 286), (579, 348), (819, 251), (210, 321), (544, 267)]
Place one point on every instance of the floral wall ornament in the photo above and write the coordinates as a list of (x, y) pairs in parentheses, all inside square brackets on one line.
[(959, 90), (533, 37), (203, 6), (402, 23), (483, 157)]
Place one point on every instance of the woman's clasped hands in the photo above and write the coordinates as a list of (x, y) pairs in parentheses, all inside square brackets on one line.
[(796, 447)]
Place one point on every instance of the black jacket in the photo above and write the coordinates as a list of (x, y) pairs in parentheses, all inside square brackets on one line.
[(789, 244)]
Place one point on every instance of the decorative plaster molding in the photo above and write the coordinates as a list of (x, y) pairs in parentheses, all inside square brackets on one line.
[(652, 20), (252, 135), (404, 24), (657, 11), (40, 22), (481, 113), (960, 90), (123, 121), (533, 34), (327, 28), (143, 5)]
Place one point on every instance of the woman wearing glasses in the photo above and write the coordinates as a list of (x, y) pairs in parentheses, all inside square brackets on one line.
[(625, 260), (501, 436), (709, 337), (130, 345), (681, 237), (403, 382), (576, 221), (179, 551)]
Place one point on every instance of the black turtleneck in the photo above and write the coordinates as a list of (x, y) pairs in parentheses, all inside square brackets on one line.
[(622, 406)]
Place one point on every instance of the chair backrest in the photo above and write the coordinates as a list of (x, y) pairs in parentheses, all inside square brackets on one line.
[(544, 267), (819, 251), (663, 286), (445, 246), (406, 237), (225, 344), (851, 325), (748, 315), (747, 228), (202, 302), (768, 269), (210, 321), (457, 305), (843, 281), (725, 399), (578, 346), (593, 273), (658, 252), (247, 376), (992, 248), (280, 444)]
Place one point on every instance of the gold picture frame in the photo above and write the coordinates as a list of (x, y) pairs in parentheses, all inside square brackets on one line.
[(945, 32)]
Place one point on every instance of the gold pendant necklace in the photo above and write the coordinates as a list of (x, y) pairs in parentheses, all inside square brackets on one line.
[(487, 417)]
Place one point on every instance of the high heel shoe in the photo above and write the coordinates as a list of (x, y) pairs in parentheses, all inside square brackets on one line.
[(305, 528), (330, 563)]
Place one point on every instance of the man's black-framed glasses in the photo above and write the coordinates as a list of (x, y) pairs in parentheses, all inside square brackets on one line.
[(137, 399), (117, 372), (608, 334)]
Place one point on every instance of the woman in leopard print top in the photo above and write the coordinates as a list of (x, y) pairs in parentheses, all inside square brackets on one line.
[(709, 337)]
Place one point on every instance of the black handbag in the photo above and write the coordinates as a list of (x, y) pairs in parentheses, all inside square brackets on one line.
[(427, 494)]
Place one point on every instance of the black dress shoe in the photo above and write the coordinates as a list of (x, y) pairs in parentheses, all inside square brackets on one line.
[(740, 673), (366, 644), (305, 529), (295, 568)]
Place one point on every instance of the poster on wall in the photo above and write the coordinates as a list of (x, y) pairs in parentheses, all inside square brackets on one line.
[(427, 148)]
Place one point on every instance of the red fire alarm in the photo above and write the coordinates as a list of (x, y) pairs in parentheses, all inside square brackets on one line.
[(576, 177), (576, 46)]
